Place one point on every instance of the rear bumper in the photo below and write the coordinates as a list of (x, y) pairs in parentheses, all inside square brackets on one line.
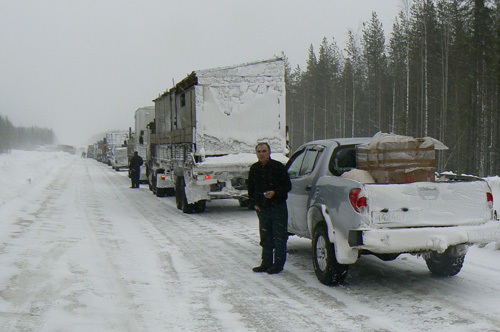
[(424, 238)]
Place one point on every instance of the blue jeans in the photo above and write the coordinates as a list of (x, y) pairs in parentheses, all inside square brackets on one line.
[(273, 230)]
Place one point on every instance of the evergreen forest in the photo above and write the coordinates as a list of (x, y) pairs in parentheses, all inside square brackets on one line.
[(22, 138), (438, 75)]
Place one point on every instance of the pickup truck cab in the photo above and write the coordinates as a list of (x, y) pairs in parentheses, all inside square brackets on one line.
[(345, 218)]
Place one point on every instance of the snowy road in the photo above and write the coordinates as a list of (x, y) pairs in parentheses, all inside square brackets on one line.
[(80, 251)]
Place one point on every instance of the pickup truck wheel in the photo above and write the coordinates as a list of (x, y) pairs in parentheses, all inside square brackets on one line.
[(326, 267), (445, 264)]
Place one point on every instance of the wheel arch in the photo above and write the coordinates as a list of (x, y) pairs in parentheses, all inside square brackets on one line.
[(344, 252), (319, 214)]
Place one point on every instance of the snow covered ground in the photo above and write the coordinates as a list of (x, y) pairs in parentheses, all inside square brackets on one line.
[(80, 251)]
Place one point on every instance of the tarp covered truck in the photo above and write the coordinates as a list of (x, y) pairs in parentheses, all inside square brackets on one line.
[(206, 129)]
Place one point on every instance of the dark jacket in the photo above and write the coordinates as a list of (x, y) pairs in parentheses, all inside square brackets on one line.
[(272, 176), (135, 163)]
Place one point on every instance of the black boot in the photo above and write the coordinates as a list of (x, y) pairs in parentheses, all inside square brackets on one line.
[(260, 268), (275, 269)]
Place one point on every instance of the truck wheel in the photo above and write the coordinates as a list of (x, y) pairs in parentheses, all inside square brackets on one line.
[(197, 207), (200, 206), (326, 267), (447, 264), (179, 191), (149, 178), (245, 202), (160, 192)]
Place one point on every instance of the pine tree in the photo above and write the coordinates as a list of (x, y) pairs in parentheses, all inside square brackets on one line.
[(374, 54)]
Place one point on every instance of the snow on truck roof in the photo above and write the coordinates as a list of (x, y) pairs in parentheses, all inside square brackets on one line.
[(203, 76)]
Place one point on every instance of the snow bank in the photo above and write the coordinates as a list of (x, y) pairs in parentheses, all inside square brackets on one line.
[(18, 178)]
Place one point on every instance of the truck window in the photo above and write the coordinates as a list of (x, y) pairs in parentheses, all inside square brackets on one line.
[(343, 159), (309, 162), (294, 164), (303, 162)]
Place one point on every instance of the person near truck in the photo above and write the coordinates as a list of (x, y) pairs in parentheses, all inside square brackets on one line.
[(268, 187), (134, 168)]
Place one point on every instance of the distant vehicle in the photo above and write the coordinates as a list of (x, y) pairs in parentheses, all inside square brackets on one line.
[(113, 140), (202, 143), (120, 158), (91, 153), (350, 199)]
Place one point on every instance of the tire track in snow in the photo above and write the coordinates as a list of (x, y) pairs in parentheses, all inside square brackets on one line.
[(176, 301)]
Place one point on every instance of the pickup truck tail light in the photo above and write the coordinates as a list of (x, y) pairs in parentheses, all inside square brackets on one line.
[(358, 200), (489, 197)]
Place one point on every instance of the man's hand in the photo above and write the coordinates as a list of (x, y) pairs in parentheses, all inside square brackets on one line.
[(269, 194)]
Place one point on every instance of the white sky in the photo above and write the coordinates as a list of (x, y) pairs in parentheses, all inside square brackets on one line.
[(82, 67)]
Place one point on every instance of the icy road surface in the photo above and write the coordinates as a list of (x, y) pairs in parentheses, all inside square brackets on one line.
[(81, 251)]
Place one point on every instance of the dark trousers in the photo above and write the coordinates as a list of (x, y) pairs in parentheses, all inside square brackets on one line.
[(135, 177), (273, 234)]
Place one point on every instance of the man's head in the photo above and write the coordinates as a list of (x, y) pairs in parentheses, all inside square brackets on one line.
[(263, 151), (136, 153)]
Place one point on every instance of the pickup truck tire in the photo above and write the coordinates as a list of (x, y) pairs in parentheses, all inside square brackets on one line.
[(327, 269), (445, 264)]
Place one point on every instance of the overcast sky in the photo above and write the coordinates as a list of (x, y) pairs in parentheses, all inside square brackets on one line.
[(82, 67)]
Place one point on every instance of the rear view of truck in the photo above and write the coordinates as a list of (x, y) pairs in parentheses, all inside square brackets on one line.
[(139, 139), (207, 126), (380, 196), (120, 158)]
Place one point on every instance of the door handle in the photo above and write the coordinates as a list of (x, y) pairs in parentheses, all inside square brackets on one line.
[(307, 188)]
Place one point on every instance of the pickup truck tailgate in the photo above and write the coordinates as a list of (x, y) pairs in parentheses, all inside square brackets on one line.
[(421, 204)]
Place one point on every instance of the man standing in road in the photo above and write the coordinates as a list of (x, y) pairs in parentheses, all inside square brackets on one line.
[(268, 187), (134, 168)]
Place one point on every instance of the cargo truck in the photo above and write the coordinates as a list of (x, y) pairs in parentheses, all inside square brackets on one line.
[(140, 137), (206, 127), (114, 140)]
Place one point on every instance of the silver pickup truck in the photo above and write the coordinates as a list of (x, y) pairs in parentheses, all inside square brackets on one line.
[(345, 218)]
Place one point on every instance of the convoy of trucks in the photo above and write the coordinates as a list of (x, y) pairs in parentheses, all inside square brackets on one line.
[(198, 140)]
